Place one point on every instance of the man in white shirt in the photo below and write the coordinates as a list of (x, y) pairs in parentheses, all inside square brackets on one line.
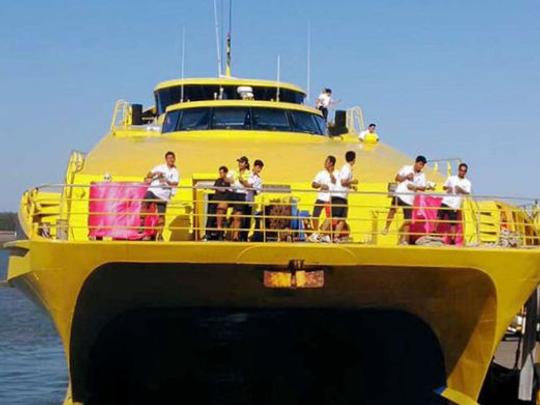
[(456, 187), (369, 135), (254, 187), (410, 180), (324, 101), (324, 181), (340, 193), (239, 194), (163, 181)]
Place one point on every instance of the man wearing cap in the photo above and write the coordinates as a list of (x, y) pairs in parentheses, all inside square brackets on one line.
[(410, 179), (239, 194), (254, 187)]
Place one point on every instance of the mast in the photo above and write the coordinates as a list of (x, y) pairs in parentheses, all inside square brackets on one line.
[(218, 50), (183, 62), (228, 63)]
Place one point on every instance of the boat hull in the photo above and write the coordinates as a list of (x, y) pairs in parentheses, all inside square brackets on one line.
[(432, 317)]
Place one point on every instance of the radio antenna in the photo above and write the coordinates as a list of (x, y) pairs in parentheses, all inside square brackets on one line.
[(183, 63), (218, 46), (308, 62), (278, 76)]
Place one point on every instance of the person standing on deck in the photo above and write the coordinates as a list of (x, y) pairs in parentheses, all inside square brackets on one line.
[(410, 179), (254, 186), (239, 194), (456, 187), (324, 181), (163, 181), (217, 206), (340, 193), (369, 135), (324, 101)]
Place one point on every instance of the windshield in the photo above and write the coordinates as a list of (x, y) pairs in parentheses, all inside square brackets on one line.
[(244, 118), (231, 118), (270, 119)]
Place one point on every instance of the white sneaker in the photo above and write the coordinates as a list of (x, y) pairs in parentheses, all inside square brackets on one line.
[(384, 231), (314, 238), (325, 239)]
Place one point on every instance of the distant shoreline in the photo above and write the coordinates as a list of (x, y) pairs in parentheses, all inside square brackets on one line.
[(7, 236)]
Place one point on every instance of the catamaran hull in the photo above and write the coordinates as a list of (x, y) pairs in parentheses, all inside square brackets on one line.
[(380, 325)]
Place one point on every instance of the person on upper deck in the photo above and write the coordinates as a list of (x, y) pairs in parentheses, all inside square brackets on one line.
[(324, 101), (239, 194), (340, 193), (324, 181), (410, 179), (369, 135), (457, 187), (163, 179)]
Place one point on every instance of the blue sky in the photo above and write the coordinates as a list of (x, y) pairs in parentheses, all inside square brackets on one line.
[(445, 78)]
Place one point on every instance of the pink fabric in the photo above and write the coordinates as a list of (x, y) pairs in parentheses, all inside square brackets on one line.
[(424, 219), (115, 211)]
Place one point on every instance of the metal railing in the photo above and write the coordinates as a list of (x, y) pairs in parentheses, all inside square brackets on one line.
[(281, 214)]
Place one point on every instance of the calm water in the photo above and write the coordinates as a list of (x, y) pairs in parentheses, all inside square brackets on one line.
[(32, 365)]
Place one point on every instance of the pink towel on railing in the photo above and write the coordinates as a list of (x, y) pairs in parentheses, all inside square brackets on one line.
[(424, 219), (115, 211)]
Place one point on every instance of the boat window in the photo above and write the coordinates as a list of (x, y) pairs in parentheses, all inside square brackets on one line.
[(194, 119), (305, 122), (244, 118), (171, 121), (231, 118), (321, 123), (270, 119), (198, 92)]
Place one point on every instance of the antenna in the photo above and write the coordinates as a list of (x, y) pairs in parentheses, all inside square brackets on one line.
[(308, 62), (183, 59), (218, 50), (278, 76), (229, 34), (221, 29)]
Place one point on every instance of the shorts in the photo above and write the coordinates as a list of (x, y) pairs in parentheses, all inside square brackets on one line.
[(239, 198), (339, 208), (318, 207), (161, 205), (407, 209), (446, 211), (222, 196)]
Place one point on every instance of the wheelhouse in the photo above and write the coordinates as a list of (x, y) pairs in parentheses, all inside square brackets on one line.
[(243, 116), (178, 91)]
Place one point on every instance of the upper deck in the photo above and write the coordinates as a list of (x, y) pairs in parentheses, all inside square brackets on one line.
[(223, 88)]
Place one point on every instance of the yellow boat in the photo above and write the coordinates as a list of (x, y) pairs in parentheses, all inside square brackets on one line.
[(279, 320)]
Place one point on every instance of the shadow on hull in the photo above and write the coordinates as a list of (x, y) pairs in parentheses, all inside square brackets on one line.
[(264, 356)]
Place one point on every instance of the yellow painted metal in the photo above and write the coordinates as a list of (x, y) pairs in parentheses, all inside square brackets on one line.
[(243, 103), (228, 81), (467, 296)]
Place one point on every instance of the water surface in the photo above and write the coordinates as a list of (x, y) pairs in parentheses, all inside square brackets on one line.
[(32, 365)]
